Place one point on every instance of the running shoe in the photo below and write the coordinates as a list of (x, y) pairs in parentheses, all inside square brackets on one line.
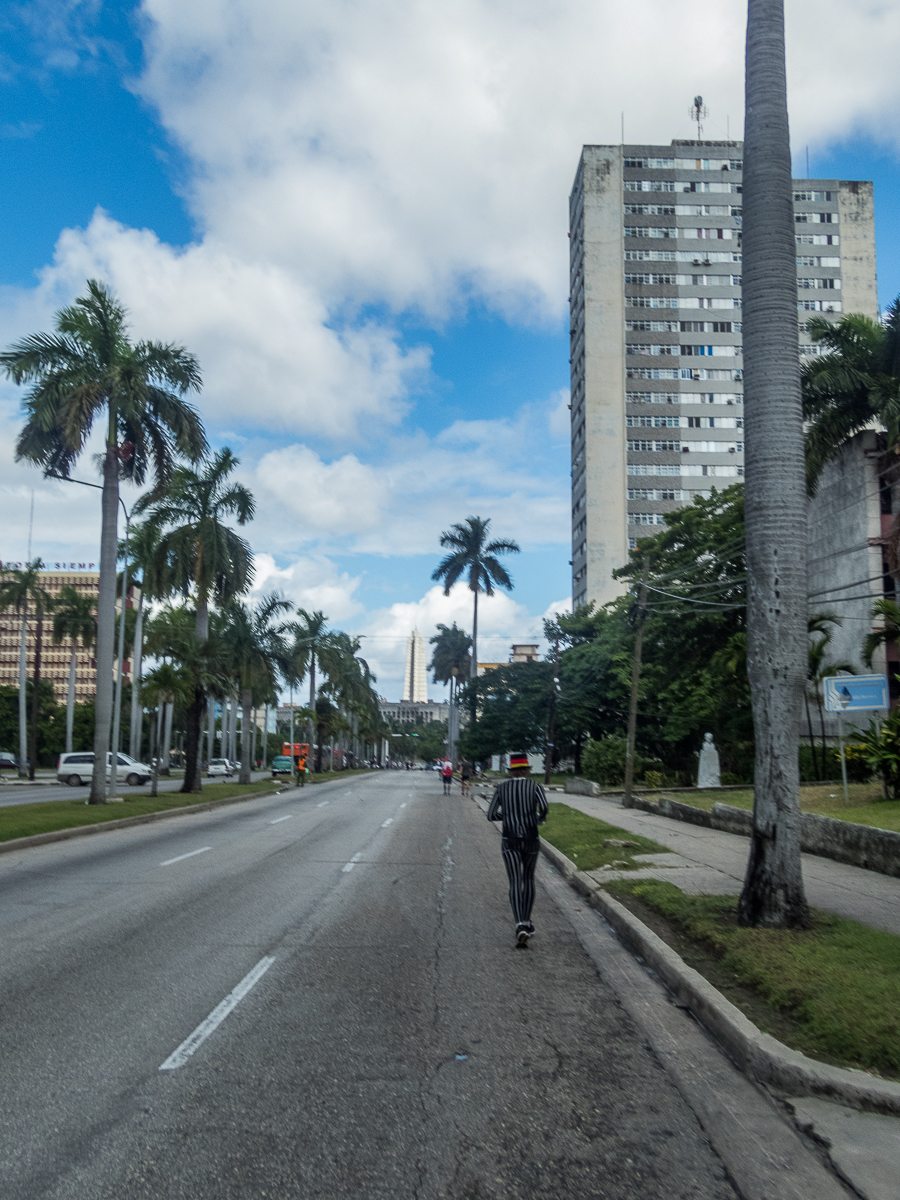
[(522, 935)]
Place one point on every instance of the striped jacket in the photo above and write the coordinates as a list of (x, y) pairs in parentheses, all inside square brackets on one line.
[(521, 805)]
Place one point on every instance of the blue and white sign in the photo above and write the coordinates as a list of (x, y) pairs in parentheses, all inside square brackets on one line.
[(856, 693)]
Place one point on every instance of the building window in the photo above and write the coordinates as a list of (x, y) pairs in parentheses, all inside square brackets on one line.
[(651, 301), (649, 185), (650, 231), (652, 326), (818, 282), (650, 210), (652, 397), (826, 218), (651, 279), (646, 519), (818, 239), (650, 164), (652, 348), (814, 196)]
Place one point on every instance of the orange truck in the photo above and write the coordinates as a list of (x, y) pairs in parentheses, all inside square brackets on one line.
[(300, 753)]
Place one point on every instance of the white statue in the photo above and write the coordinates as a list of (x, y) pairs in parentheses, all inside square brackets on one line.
[(708, 772)]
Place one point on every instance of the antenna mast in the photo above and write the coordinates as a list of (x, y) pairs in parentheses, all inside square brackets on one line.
[(698, 112)]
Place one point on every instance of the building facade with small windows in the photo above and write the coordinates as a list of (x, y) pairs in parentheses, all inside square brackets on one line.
[(55, 660), (656, 334)]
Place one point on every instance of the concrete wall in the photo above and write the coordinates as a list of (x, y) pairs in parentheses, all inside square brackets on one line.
[(582, 787), (601, 232), (859, 285), (845, 527)]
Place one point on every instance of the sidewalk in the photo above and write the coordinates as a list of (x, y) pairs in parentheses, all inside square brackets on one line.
[(709, 861)]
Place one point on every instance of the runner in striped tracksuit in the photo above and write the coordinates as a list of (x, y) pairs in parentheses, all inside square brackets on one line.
[(521, 805)]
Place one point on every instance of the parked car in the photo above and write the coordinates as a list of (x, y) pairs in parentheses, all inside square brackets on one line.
[(76, 769), (220, 766), (282, 764), (8, 761)]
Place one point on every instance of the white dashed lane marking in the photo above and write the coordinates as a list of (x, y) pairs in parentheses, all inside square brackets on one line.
[(180, 1056), (279, 819), (352, 863), (389, 821), (322, 804), (179, 857)]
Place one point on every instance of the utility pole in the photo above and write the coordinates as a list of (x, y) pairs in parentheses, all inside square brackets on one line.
[(551, 724), (635, 685)]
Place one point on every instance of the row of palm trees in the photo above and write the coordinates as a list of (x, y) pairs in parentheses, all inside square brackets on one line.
[(89, 373)]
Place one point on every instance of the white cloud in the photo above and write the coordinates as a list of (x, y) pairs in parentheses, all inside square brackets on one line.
[(418, 486), (312, 583)]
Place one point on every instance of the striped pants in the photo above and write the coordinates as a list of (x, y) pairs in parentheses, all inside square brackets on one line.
[(520, 858)]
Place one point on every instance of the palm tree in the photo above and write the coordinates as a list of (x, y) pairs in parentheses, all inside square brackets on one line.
[(311, 639), (89, 367), (856, 382), (255, 647), (775, 486), (203, 556), (889, 610), (818, 670), (153, 585), (349, 680), (161, 688), (75, 620), (20, 589), (471, 556)]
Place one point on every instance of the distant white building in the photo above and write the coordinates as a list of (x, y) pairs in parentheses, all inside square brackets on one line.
[(415, 680), (414, 712)]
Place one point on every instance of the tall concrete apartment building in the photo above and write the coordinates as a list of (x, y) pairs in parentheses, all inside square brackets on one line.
[(657, 390)]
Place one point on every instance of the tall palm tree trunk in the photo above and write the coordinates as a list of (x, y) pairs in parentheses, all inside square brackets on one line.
[(23, 707), (775, 481), (70, 699), (136, 730), (106, 615), (193, 776), (164, 768), (812, 741), (35, 691), (211, 729), (246, 705)]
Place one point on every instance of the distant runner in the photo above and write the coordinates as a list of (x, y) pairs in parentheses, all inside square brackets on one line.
[(465, 775), (521, 805), (447, 775)]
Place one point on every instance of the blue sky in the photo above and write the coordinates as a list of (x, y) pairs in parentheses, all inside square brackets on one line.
[(365, 245)]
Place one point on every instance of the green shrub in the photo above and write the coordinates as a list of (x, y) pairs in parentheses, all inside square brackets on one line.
[(654, 779), (729, 777), (603, 760)]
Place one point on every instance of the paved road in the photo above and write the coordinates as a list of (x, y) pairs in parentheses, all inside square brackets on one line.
[(396, 1045), (35, 793)]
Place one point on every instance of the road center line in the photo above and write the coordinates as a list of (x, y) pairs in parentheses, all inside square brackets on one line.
[(191, 1043), (278, 819), (190, 854), (352, 863), (389, 821), (322, 804), (403, 805)]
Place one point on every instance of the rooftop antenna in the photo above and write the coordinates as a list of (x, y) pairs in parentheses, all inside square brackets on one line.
[(698, 112), (30, 526)]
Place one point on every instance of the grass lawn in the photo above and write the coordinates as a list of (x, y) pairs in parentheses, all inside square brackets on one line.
[(23, 820), (865, 808), (591, 843), (832, 991)]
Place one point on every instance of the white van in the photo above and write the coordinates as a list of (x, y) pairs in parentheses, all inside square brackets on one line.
[(77, 768)]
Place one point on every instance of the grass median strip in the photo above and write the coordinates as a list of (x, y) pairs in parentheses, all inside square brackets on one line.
[(831, 991), (24, 820), (591, 843)]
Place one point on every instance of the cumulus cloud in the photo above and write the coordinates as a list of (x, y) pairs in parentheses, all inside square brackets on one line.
[(420, 485), (313, 583)]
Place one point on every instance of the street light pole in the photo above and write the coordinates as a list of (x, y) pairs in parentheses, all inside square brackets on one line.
[(117, 709)]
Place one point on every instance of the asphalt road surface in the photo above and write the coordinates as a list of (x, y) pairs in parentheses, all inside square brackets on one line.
[(329, 981)]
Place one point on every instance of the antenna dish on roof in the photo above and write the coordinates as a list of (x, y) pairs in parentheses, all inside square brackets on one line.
[(698, 112)]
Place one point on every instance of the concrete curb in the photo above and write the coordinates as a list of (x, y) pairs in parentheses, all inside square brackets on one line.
[(64, 835), (760, 1056)]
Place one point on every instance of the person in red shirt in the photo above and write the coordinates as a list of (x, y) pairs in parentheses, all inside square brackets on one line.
[(447, 775)]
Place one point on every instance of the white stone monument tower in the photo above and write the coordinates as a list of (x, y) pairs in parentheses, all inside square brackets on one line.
[(415, 680)]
